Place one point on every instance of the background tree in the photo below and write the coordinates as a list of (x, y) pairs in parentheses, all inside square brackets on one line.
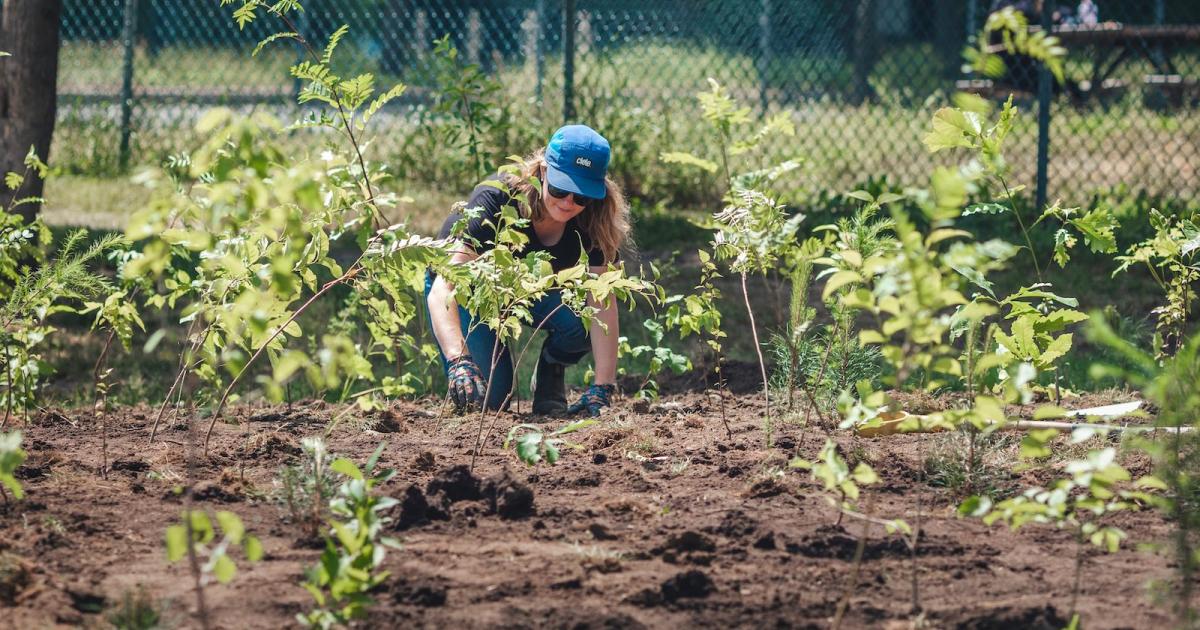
[(29, 31)]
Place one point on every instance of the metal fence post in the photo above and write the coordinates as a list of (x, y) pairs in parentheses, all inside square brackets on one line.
[(764, 54), (568, 61), (1044, 94), (127, 39)]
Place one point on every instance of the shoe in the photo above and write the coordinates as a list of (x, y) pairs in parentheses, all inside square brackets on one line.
[(549, 387)]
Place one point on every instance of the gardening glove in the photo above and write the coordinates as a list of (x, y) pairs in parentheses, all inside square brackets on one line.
[(466, 382), (597, 397)]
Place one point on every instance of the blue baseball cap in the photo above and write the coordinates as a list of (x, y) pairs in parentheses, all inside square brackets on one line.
[(577, 160)]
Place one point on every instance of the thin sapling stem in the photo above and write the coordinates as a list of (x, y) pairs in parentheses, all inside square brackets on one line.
[(762, 366)]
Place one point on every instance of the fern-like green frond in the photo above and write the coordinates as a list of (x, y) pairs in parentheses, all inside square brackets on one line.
[(334, 40), (274, 38)]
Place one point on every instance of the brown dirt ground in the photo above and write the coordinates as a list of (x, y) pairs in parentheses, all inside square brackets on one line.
[(659, 521)]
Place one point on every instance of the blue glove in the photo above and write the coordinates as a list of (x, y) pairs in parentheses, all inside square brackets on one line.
[(466, 383), (597, 397)]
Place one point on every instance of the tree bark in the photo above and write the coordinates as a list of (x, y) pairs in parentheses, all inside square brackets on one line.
[(29, 31)]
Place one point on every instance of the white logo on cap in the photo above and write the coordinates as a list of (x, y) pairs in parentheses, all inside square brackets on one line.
[(584, 162)]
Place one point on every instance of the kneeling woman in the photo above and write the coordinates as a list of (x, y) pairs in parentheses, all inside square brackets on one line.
[(577, 205)]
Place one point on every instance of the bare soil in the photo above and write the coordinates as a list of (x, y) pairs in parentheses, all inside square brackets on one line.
[(658, 520)]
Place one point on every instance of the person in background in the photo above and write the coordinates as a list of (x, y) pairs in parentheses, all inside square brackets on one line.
[(1087, 14), (575, 207)]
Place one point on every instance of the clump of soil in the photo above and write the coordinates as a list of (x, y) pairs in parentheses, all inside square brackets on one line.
[(688, 584), (507, 496), (414, 508), (692, 583), (418, 591), (502, 494), (1034, 618), (454, 484), (690, 541), (15, 577)]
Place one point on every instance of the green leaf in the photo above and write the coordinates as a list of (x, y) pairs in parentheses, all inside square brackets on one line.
[(231, 525), (254, 549), (953, 128), (1035, 291), (1055, 351), (346, 467), (1047, 412), (949, 187), (984, 208), (975, 506), (1021, 344), (202, 529), (176, 539), (528, 446), (1099, 230), (688, 159), (866, 337), (865, 475), (1034, 444), (1063, 242), (1151, 482), (333, 43), (576, 426), (1057, 320), (839, 280), (266, 42), (224, 569)]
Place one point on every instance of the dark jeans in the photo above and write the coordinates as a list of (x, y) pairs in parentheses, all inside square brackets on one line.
[(566, 343)]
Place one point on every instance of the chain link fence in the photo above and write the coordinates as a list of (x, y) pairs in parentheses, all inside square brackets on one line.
[(859, 79)]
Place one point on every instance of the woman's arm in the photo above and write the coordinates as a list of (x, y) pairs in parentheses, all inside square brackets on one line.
[(443, 310), (604, 342)]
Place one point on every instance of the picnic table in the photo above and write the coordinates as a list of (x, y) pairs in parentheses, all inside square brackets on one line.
[(1111, 44)]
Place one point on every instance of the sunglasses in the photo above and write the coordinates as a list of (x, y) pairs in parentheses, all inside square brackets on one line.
[(559, 193)]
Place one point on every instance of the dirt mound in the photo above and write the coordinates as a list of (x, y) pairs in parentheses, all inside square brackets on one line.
[(690, 541), (455, 484), (833, 541), (414, 509), (688, 584), (507, 496), (417, 591), (502, 494), (1034, 618), (16, 574)]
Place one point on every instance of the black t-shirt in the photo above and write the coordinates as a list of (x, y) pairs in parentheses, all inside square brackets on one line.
[(563, 254)]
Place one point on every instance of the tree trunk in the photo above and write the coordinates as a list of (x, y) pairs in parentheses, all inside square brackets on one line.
[(29, 32)]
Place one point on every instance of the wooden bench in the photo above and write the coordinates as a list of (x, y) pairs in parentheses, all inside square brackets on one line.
[(1109, 90), (1162, 91), (989, 89)]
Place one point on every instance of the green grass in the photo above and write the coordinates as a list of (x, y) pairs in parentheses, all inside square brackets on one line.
[(641, 96), (89, 67), (102, 203)]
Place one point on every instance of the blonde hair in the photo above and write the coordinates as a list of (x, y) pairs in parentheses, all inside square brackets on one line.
[(605, 222)]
